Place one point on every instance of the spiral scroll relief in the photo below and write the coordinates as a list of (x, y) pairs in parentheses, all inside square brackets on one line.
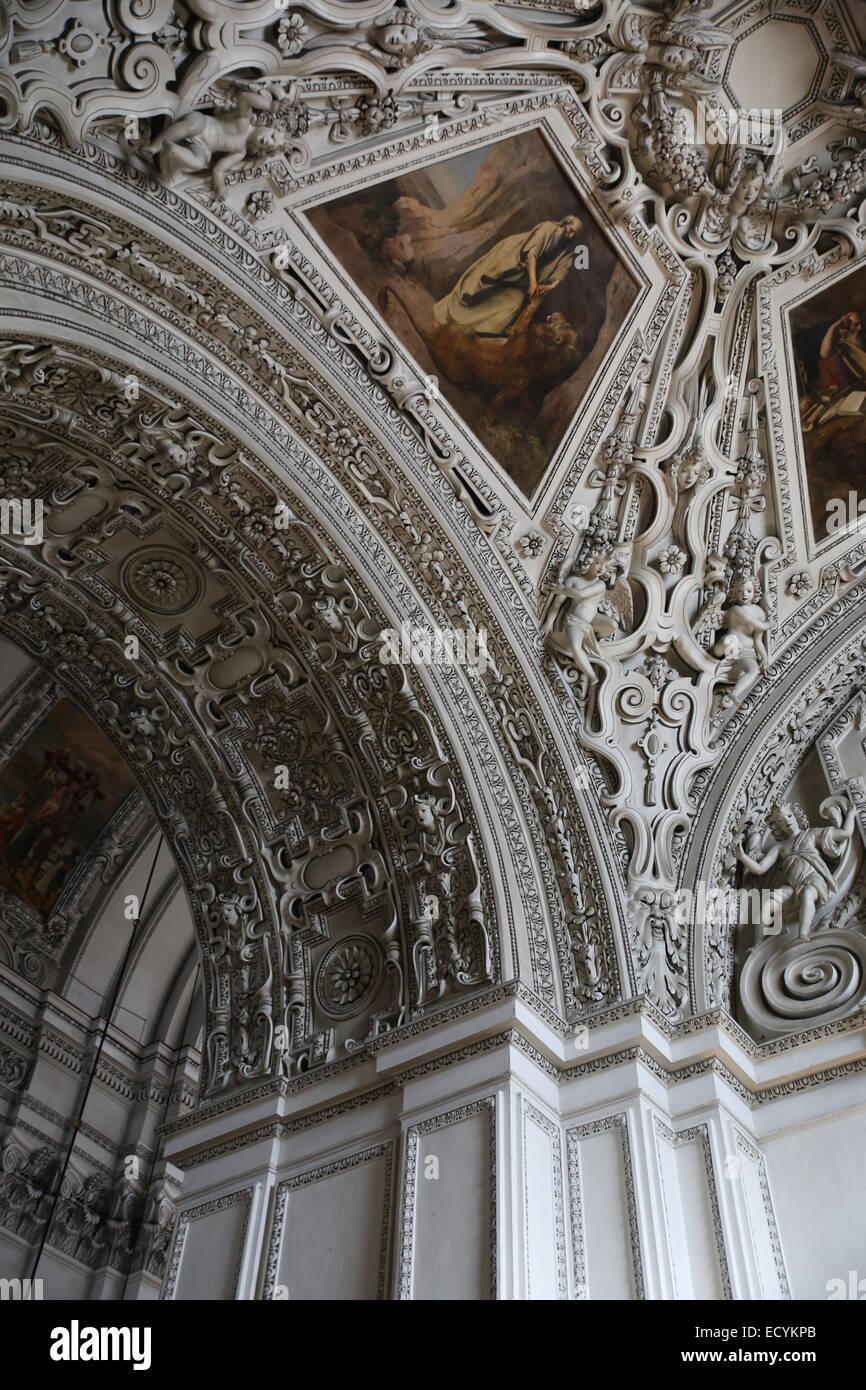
[(789, 984)]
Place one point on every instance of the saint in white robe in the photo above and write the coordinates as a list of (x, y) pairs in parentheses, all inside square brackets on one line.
[(490, 295)]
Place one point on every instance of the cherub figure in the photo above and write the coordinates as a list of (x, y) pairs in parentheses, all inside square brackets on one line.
[(189, 144), (690, 467), (799, 849), (583, 612), (740, 645), (685, 473), (675, 54), (401, 36), (687, 469), (746, 183)]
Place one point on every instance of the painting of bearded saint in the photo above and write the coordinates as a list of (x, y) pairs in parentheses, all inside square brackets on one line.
[(58, 792), (494, 275), (829, 337)]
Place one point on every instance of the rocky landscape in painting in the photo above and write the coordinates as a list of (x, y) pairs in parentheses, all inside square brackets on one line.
[(403, 236)]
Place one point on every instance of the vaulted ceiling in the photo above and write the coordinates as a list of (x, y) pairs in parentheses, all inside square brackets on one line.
[(223, 377)]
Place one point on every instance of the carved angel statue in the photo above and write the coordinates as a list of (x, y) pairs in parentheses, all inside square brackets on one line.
[(591, 603), (740, 645), (800, 849), (190, 144)]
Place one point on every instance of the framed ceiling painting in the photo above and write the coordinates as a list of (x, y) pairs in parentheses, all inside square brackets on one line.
[(486, 259), (818, 320)]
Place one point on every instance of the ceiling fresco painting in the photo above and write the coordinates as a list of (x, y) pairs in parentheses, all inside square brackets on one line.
[(494, 274), (59, 792), (829, 337)]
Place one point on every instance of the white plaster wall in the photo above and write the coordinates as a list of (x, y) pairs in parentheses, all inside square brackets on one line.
[(701, 1271), (601, 1231), (209, 1249), (451, 1215), (332, 1229), (818, 1178)]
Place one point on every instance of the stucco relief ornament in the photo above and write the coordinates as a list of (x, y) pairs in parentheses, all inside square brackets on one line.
[(423, 944), (685, 473), (740, 646), (259, 204), (660, 950), (851, 108), (745, 196), (401, 36), (801, 851), (292, 34), (800, 583), (591, 601), (677, 52), (349, 976), (450, 942), (734, 620), (221, 142), (805, 971), (240, 1040)]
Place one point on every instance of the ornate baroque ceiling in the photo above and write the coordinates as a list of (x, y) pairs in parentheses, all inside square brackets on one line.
[(235, 374)]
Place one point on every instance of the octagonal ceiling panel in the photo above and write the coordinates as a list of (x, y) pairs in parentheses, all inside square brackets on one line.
[(443, 252), (755, 78)]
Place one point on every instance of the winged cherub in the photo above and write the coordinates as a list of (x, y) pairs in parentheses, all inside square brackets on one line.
[(741, 625), (676, 53), (591, 602), (800, 850), (746, 182), (190, 144)]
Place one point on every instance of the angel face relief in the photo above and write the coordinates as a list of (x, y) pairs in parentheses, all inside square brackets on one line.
[(492, 273)]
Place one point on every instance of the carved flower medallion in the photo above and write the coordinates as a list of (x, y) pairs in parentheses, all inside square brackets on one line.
[(163, 580), (349, 976)]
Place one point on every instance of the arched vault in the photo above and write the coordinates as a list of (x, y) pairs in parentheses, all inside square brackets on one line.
[(225, 538)]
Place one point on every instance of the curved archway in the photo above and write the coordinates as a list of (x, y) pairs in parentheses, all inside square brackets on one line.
[(761, 760), (439, 899), (189, 460)]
